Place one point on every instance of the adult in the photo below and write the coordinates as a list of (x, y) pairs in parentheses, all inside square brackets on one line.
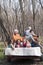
[(30, 35), (16, 35)]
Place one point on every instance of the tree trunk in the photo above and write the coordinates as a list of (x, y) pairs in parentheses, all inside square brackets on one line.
[(33, 7), (4, 31), (22, 15)]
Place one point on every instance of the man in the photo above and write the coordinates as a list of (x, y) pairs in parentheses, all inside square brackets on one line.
[(29, 34)]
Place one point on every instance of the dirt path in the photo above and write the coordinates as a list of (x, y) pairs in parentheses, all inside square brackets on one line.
[(20, 62)]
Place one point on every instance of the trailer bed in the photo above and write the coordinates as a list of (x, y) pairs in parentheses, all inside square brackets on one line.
[(33, 51)]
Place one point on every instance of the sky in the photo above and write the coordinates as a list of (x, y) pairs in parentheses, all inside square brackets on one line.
[(14, 3)]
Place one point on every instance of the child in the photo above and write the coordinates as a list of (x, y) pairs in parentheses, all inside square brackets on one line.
[(18, 43), (24, 43), (12, 45), (21, 44), (28, 44)]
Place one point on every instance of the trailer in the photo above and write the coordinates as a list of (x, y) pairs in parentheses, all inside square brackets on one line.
[(23, 53)]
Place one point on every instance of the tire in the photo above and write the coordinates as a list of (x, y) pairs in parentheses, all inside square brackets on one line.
[(8, 59), (41, 58)]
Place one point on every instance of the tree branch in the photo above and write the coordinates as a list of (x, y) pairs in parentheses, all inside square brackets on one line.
[(41, 4)]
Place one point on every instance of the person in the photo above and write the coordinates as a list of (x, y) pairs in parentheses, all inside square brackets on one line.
[(24, 43), (29, 34), (12, 45), (35, 42), (21, 44), (18, 43), (28, 44), (16, 35)]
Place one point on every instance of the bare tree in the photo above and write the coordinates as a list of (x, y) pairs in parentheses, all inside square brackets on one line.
[(35, 11), (40, 1), (33, 7), (9, 3), (22, 14)]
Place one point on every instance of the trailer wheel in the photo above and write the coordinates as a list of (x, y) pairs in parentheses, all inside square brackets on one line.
[(41, 58), (8, 59)]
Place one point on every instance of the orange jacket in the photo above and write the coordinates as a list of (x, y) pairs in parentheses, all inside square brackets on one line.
[(16, 37)]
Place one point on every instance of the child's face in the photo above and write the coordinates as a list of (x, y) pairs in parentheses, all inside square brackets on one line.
[(18, 41), (24, 40)]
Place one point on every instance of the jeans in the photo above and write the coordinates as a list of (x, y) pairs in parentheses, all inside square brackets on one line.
[(33, 44)]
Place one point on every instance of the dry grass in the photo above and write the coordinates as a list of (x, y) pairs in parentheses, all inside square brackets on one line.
[(41, 39)]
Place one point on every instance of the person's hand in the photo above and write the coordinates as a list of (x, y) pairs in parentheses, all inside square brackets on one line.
[(12, 48)]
